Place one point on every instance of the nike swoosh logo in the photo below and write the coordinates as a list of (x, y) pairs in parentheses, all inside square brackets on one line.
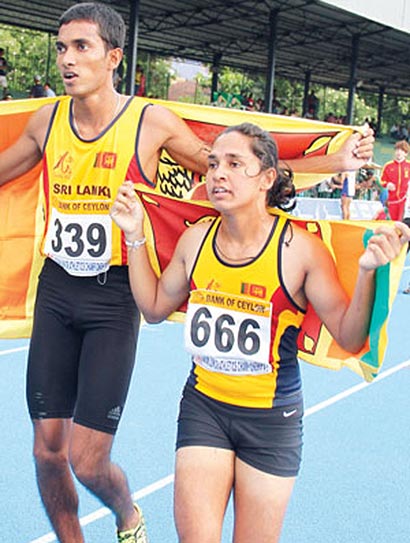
[(287, 414)]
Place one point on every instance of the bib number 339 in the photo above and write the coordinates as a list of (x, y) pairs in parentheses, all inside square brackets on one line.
[(228, 326), (80, 238)]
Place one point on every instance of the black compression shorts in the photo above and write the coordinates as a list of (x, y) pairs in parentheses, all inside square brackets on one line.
[(267, 439), (83, 345)]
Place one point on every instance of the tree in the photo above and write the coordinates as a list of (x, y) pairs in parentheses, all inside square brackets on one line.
[(29, 53), (159, 74)]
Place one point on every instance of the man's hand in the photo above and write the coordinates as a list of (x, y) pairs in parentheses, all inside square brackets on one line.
[(357, 150)]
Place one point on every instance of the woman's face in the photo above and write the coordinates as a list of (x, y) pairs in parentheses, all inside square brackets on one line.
[(235, 175)]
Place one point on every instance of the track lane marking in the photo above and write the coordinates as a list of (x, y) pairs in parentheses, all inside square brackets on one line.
[(165, 481)]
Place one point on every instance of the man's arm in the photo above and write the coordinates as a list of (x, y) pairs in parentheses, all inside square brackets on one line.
[(172, 133), (165, 130), (354, 154), (26, 152)]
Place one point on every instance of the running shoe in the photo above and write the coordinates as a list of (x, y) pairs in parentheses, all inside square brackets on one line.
[(137, 534)]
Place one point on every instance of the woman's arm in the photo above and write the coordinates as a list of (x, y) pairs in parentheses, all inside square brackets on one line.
[(156, 297), (348, 320)]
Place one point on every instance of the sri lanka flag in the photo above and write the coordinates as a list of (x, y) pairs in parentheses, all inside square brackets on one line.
[(170, 209)]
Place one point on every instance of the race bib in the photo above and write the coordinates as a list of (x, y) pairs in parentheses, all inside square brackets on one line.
[(228, 333), (81, 244)]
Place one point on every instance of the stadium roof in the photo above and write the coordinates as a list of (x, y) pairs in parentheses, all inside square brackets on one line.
[(311, 36)]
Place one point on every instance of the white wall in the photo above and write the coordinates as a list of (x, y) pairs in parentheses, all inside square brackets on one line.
[(331, 209), (394, 13)]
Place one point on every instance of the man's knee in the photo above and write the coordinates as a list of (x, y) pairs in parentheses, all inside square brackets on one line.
[(50, 448), (89, 465), (49, 460)]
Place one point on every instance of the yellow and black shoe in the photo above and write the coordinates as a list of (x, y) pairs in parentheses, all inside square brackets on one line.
[(137, 534)]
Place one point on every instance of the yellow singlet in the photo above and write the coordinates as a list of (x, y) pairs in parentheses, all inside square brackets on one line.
[(242, 327), (80, 180)]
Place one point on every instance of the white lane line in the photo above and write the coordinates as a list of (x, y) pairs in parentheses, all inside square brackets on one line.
[(354, 389), (16, 350), (104, 511)]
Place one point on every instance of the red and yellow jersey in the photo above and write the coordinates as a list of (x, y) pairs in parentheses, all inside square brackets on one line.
[(397, 173), (242, 327), (80, 181)]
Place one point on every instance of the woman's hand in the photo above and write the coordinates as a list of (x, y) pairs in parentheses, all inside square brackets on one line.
[(127, 212), (384, 246)]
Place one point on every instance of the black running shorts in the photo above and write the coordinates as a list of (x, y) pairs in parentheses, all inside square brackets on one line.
[(82, 349), (267, 439)]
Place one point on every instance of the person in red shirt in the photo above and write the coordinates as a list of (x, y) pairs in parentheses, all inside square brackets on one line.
[(395, 177)]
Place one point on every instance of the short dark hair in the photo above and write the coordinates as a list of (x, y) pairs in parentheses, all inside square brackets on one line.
[(110, 23), (282, 193)]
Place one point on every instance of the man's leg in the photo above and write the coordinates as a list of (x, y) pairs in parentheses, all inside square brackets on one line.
[(55, 482), (90, 452)]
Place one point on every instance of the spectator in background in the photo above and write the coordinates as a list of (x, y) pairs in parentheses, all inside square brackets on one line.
[(139, 81), (336, 182), (395, 178), (407, 222), (249, 102), (324, 189), (313, 105), (310, 113), (331, 118), (37, 90), (48, 90), (260, 104), (3, 72), (348, 192), (368, 186)]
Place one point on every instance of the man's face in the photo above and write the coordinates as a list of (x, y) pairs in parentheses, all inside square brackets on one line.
[(82, 59), (400, 155)]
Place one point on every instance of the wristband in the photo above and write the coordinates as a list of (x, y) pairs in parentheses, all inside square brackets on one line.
[(135, 244)]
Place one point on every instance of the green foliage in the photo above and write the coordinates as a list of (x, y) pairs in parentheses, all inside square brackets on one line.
[(159, 74), (29, 53)]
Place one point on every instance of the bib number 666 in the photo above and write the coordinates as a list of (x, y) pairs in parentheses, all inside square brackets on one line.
[(228, 334)]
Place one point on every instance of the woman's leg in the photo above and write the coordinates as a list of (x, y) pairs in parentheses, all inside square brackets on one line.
[(260, 501), (203, 483)]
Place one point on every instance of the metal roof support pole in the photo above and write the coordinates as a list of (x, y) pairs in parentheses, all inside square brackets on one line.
[(215, 75), (47, 76), (352, 82), (308, 75), (132, 46), (270, 82), (380, 110)]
